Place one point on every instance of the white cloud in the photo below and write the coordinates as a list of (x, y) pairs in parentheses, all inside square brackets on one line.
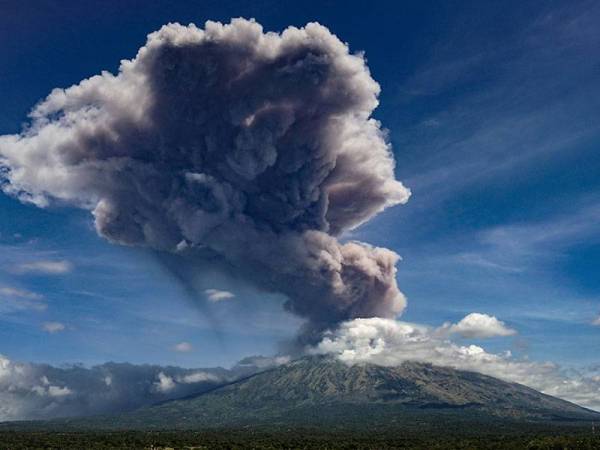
[(183, 347), (57, 391), (521, 247), (216, 295), (479, 326), (19, 293), (49, 390), (198, 377), (40, 391), (596, 321), (389, 343), (53, 327), (48, 267), (14, 299), (46, 389), (164, 384)]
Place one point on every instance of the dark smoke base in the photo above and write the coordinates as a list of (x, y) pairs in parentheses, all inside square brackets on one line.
[(251, 149)]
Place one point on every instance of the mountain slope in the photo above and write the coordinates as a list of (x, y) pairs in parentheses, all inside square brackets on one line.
[(319, 391)]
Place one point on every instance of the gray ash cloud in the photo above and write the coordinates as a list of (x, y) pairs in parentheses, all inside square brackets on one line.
[(233, 147)]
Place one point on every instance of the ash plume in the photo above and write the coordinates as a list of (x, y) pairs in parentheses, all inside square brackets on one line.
[(233, 147)]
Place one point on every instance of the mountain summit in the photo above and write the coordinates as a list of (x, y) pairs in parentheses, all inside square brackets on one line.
[(322, 391)]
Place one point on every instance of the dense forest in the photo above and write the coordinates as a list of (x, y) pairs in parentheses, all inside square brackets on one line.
[(297, 439)]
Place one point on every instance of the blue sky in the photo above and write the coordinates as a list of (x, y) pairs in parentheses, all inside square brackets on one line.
[(491, 110)]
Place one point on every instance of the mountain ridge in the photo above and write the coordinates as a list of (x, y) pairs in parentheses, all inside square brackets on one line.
[(320, 391), (317, 384)]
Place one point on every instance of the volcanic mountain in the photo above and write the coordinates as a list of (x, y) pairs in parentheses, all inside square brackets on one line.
[(320, 391)]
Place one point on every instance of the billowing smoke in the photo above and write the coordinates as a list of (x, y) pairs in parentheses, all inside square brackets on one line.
[(251, 151)]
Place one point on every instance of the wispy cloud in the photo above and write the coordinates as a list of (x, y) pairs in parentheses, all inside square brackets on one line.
[(492, 107), (53, 327), (216, 295), (183, 347), (516, 247), (500, 268), (16, 299), (8, 291), (47, 267)]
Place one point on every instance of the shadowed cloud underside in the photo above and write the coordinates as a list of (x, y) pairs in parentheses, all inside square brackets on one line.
[(250, 150)]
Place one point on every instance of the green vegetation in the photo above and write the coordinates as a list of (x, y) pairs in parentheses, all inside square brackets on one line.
[(293, 439), (320, 392), (320, 403)]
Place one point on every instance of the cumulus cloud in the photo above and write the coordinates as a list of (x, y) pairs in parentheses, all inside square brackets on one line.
[(48, 389), (47, 267), (215, 295), (165, 383), (479, 326), (183, 347), (227, 145), (389, 343), (53, 327), (39, 391)]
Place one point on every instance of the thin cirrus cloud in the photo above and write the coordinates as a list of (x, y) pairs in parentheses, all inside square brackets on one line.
[(514, 262), (216, 295), (53, 327), (523, 110), (8, 291), (17, 299), (46, 267), (519, 247)]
